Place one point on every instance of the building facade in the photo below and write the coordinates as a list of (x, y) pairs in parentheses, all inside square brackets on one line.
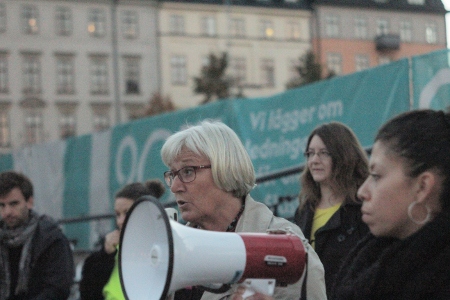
[(263, 40), (352, 35), (73, 67)]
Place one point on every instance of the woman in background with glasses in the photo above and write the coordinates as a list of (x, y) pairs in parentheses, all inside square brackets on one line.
[(211, 176), (329, 211)]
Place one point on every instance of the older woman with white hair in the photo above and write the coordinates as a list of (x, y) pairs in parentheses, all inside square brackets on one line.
[(211, 176)]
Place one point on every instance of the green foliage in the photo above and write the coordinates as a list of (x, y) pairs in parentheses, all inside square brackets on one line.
[(308, 70), (213, 82)]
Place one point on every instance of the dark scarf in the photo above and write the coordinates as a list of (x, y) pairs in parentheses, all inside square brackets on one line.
[(387, 268), (11, 238)]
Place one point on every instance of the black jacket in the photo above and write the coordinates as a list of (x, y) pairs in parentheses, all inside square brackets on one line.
[(52, 266), (336, 238), (417, 268), (97, 269)]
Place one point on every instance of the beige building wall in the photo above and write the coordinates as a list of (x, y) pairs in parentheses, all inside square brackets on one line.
[(86, 111), (281, 45)]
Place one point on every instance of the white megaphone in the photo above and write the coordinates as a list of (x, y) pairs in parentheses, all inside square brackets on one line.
[(158, 256)]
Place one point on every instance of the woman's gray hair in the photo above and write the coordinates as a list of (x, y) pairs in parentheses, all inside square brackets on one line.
[(231, 166)]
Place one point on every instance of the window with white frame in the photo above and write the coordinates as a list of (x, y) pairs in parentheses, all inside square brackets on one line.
[(5, 129), (30, 19), (334, 63), (101, 121), (97, 22), (361, 28), (99, 75), (2, 17), (431, 33), (63, 20), (405, 31), (362, 62), (293, 31), (208, 26), (4, 81), (67, 125), (237, 27), (238, 66), (132, 73), (31, 73), (266, 29), (65, 74), (130, 24), (178, 68), (382, 27), (268, 72), (332, 26), (176, 24), (34, 126)]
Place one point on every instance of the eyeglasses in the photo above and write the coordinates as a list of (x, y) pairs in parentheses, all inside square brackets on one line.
[(186, 174), (322, 154)]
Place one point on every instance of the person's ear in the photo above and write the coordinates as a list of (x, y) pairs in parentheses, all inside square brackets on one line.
[(30, 202), (426, 186)]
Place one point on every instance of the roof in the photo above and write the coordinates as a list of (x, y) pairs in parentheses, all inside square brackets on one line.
[(299, 4), (430, 6)]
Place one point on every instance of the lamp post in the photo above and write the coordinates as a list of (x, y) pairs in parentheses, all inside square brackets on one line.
[(117, 104)]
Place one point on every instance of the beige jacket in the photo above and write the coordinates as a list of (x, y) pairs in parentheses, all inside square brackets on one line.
[(257, 217)]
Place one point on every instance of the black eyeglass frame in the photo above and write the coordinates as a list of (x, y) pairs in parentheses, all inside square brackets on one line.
[(169, 176)]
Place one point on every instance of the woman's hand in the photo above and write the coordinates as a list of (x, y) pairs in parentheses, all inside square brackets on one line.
[(111, 241), (238, 295)]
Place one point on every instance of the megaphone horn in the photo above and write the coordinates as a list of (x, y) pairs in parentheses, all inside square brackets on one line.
[(158, 256)]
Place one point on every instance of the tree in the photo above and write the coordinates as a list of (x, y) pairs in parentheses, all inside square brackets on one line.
[(308, 70), (213, 82), (158, 105)]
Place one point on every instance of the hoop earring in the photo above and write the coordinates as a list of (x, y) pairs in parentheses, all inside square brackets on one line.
[(419, 222)]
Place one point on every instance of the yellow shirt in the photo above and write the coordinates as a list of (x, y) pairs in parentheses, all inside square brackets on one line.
[(321, 217), (113, 289)]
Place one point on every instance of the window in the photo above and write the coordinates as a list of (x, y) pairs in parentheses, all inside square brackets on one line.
[(67, 125), (2, 17), (5, 135), (99, 75), (416, 2), (97, 23), (4, 82), (334, 63), (268, 72), (101, 121), (130, 24), (63, 20), (431, 33), (34, 126), (31, 72), (405, 31), (237, 27), (30, 21), (266, 29), (360, 28), (332, 26), (293, 65), (293, 30), (238, 68), (65, 74), (361, 62), (209, 26), (176, 24), (178, 70), (132, 75), (382, 27)]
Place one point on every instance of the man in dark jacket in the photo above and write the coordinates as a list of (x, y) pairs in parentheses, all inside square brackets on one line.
[(36, 262)]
